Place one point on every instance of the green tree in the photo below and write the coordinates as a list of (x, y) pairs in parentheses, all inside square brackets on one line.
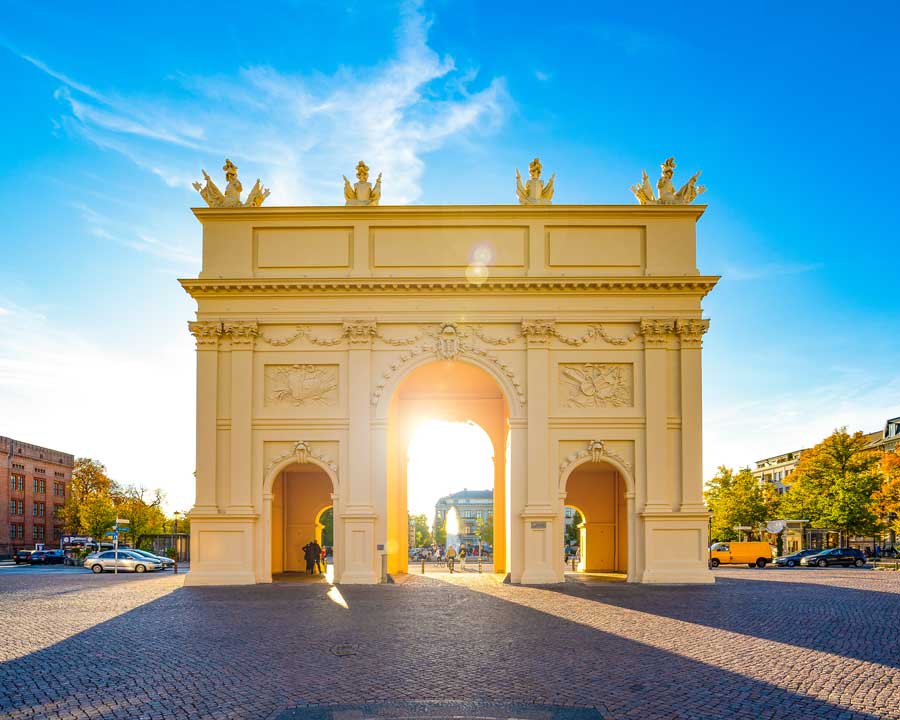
[(835, 484), (142, 509), (573, 534), (327, 520), (97, 515), (734, 500), (422, 532), (440, 532), (484, 530), (89, 479)]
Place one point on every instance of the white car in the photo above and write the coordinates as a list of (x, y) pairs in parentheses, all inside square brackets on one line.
[(126, 561)]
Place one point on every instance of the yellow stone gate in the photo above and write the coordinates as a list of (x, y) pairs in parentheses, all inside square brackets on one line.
[(571, 334)]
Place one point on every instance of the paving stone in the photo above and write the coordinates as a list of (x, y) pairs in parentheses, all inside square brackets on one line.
[(758, 644)]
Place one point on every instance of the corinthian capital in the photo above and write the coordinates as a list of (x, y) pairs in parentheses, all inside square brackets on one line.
[(359, 332), (691, 332), (242, 333), (206, 332), (657, 332), (538, 332)]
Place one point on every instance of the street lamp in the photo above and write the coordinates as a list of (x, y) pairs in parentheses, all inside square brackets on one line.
[(891, 518)]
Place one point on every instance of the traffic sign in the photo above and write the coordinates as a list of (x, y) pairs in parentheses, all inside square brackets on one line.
[(122, 521)]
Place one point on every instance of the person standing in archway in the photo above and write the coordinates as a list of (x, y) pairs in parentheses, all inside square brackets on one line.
[(310, 555), (317, 555)]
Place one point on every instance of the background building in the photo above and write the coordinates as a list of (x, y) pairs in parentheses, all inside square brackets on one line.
[(34, 485), (775, 469), (888, 439), (472, 506)]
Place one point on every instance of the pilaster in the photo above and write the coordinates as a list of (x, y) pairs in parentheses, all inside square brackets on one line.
[(207, 334), (359, 334), (691, 332), (657, 336), (243, 336), (539, 514)]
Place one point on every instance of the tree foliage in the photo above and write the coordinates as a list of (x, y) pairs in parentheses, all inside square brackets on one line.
[(735, 499), (484, 530), (95, 501), (422, 532), (834, 485), (141, 508), (327, 520), (573, 534), (886, 499)]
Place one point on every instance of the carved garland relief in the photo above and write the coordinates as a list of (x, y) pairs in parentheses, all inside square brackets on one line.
[(301, 385), (596, 385)]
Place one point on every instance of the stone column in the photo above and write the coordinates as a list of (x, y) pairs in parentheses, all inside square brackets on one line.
[(207, 335), (540, 511), (657, 334), (243, 338), (691, 333), (362, 562)]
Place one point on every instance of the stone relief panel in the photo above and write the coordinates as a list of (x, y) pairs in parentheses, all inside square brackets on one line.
[(300, 385), (596, 385)]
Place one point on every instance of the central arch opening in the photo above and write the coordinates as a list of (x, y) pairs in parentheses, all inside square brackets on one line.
[(448, 427)]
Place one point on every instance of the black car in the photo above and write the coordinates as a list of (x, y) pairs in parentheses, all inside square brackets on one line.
[(794, 559), (47, 557), (836, 556), (22, 556)]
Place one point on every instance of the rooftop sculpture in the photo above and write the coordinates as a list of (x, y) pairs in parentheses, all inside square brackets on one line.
[(534, 192), (667, 195), (232, 195), (362, 193)]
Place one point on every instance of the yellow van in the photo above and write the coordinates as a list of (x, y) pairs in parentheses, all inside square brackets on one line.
[(738, 553)]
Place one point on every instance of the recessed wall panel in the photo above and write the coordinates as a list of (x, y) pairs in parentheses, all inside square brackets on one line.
[(309, 247), (411, 247), (595, 247)]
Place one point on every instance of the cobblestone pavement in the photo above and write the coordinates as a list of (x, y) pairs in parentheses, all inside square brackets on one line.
[(758, 644)]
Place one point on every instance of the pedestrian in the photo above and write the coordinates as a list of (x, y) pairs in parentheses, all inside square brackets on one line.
[(324, 555), (310, 554), (451, 557), (462, 558)]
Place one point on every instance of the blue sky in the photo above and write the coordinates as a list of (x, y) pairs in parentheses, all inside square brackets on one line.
[(790, 111)]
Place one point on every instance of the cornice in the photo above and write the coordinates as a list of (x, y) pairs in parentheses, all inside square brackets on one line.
[(655, 285), (504, 212)]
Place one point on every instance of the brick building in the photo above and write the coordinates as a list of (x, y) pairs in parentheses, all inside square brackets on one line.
[(34, 485)]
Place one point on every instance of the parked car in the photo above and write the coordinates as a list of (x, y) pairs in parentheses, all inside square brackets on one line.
[(22, 556), (836, 556), (794, 559), (127, 561), (47, 557), (166, 562), (740, 553)]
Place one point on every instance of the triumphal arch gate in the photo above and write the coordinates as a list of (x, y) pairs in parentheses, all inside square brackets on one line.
[(571, 334)]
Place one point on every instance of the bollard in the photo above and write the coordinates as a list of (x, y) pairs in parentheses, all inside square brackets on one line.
[(574, 564), (176, 567), (423, 566), (479, 563)]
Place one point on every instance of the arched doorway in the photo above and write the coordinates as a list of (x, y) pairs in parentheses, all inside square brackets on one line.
[(459, 392), (600, 494), (301, 494)]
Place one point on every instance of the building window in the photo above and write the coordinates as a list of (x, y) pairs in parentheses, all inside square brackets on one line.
[(17, 483), (40, 486), (40, 471), (57, 532), (59, 489), (16, 507), (38, 533), (60, 474), (38, 509), (16, 531), (17, 466)]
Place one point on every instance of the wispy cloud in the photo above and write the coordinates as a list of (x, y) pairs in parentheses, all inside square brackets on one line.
[(93, 388), (108, 228), (390, 115), (738, 434), (747, 272)]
